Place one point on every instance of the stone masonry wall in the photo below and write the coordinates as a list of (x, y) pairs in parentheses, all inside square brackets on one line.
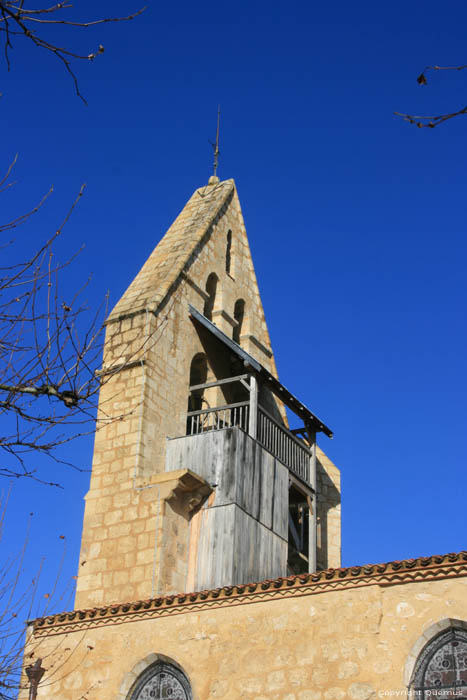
[(329, 513), (299, 644)]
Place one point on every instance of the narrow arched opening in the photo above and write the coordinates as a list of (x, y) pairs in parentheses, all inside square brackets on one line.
[(228, 252), (198, 375), (211, 289), (239, 316)]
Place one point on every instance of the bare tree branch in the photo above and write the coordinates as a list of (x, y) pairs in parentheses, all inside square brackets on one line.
[(422, 79), (50, 354), (21, 598), (18, 21), (424, 121), (51, 348)]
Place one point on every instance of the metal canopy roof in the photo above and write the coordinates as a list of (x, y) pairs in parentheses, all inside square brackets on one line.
[(269, 380)]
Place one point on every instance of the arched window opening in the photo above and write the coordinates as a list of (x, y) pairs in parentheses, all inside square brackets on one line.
[(162, 680), (198, 375), (228, 252), (239, 315), (211, 288), (441, 668)]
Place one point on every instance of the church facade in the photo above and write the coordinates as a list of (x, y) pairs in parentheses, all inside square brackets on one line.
[(207, 477)]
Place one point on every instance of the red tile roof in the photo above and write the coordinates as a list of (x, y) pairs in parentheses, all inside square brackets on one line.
[(390, 571)]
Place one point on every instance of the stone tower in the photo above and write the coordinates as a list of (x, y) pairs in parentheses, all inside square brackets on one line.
[(197, 480)]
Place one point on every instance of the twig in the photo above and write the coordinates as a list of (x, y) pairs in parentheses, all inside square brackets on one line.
[(426, 121), (16, 20)]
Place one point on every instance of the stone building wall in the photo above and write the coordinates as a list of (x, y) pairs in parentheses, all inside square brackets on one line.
[(352, 633), (328, 487)]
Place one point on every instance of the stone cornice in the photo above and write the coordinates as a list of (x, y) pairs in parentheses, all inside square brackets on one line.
[(393, 573), (253, 339), (223, 314), (182, 485)]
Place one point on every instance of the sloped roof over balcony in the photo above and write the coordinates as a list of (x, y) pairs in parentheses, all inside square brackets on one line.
[(283, 394)]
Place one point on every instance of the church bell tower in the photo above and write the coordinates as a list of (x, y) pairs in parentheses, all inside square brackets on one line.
[(198, 482)]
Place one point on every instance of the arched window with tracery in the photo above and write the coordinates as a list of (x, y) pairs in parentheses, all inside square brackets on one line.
[(441, 668), (239, 315), (160, 681), (211, 289)]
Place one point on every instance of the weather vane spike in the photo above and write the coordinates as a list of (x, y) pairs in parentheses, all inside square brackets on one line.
[(215, 146)]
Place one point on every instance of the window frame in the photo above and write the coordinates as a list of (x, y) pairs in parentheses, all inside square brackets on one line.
[(418, 685), (152, 671)]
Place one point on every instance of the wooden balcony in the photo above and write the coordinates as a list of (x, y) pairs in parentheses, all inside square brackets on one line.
[(289, 449), (253, 407)]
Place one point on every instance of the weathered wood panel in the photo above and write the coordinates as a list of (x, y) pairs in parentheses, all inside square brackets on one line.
[(211, 455), (235, 548), (244, 473), (263, 553), (214, 566), (280, 513), (244, 527)]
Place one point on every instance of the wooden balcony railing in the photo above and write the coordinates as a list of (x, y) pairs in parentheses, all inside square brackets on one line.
[(219, 418), (283, 444), (273, 436)]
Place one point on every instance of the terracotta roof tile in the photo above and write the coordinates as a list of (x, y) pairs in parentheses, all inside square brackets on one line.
[(328, 575)]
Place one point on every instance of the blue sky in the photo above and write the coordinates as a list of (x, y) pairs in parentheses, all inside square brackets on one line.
[(356, 222)]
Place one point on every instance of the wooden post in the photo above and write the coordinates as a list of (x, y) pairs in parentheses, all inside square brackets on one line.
[(312, 538), (253, 419)]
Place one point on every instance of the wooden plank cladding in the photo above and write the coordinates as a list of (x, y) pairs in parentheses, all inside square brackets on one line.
[(247, 511)]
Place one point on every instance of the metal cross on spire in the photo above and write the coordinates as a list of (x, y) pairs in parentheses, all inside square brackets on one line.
[(215, 146)]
